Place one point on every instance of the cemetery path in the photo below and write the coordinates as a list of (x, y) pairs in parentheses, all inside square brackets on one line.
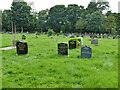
[(8, 48)]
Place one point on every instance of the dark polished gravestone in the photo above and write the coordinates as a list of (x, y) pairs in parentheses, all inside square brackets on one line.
[(94, 41), (63, 49), (23, 37), (86, 52), (72, 44), (22, 47)]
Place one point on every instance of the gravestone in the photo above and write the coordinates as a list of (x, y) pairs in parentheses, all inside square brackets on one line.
[(57, 34), (22, 47), (108, 37), (86, 52), (94, 41), (113, 37), (62, 49), (72, 37), (103, 36), (37, 33), (100, 36), (86, 36), (72, 44), (117, 37), (23, 37)]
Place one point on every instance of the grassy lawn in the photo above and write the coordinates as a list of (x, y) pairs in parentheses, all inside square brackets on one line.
[(44, 68)]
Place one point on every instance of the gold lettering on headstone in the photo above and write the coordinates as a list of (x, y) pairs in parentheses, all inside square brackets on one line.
[(62, 48), (21, 46), (72, 42)]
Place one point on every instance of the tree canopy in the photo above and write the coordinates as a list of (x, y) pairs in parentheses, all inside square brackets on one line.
[(73, 18)]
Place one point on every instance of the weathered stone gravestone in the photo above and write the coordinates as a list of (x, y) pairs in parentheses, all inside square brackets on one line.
[(86, 36), (23, 37), (86, 52), (108, 36), (117, 37), (22, 47), (62, 49), (94, 41), (72, 44)]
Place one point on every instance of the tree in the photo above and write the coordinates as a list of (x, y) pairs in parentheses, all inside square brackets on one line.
[(110, 24), (94, 22), (102, 5), (42, 20), (32, 25), (80, 24), (94, 6), (73, 12), (56, 17), (6, 20), (20, 12), (0, 20), (118, 21), (63, 28)]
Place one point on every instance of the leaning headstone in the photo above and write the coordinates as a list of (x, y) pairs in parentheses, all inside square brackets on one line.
[(23, 37), (62, 49), (86, 52), (22, 47), (94, 41), (72, 44)]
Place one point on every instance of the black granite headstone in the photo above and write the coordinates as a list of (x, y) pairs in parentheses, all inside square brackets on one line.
[(72, 44), (103, 36), (86, 52), (62, 49), (22, 47), (23, 37)]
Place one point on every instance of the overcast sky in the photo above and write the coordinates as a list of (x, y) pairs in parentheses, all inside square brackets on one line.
[(47, 4)]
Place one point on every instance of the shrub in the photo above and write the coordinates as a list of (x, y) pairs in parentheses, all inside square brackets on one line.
[(50, 32)]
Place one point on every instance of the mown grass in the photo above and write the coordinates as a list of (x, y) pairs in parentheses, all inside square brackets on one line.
[(44, 68)]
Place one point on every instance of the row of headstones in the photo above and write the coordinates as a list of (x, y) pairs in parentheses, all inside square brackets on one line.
[(104, 37), (92, 36), (86, 52)]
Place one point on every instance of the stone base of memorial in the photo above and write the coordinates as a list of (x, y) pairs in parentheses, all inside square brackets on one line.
[(22, 48)]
